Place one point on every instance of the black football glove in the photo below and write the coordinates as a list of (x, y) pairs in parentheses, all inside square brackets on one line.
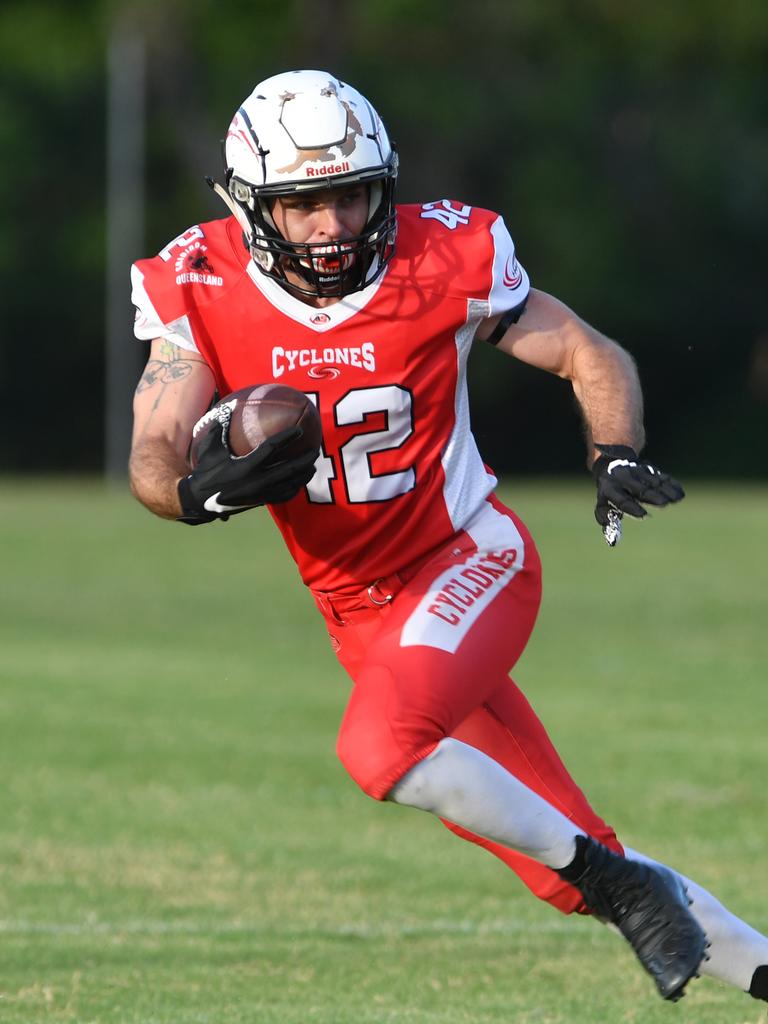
[(223, 484), (623, 481)]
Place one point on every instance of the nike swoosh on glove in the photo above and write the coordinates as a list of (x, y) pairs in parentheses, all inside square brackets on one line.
[(223, 484), (624, 481)]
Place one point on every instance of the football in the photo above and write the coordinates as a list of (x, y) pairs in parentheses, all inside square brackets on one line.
[(256, 413)]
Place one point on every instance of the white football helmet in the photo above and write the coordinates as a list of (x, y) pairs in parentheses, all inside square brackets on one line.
[(303, 131)]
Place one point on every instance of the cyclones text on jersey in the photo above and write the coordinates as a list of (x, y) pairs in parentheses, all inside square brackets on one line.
[(284, 359)]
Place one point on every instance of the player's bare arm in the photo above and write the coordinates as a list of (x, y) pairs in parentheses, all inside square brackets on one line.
[(174, 391), (604, 378), (603, 375)]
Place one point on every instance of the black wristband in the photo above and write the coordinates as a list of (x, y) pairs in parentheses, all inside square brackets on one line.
[(617, 451), (608, 452), (189, 514)]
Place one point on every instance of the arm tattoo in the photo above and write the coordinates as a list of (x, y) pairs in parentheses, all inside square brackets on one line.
[(157, 372), (172, 366)]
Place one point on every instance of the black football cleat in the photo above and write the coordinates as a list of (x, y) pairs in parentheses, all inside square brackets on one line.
[(649, 905), (759, 987)]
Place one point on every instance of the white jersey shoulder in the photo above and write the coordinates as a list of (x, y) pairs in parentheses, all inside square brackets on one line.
[(187, 271), (503, 283), (509, 282), (148, 324)]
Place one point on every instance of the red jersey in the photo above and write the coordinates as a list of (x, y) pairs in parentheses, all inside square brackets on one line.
[(399, 472)]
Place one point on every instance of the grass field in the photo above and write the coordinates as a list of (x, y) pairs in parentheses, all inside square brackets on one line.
[(178, 844)]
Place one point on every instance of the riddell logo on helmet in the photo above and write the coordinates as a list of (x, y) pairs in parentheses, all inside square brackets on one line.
[(321, 172)]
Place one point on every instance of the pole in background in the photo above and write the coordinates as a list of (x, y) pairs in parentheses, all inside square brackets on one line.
[(125, 356)]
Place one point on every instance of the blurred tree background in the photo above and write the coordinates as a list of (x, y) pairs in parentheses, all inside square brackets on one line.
[(625, 144)]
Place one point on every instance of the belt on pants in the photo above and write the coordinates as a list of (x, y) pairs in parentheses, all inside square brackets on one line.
[(377, 595), (382, 591)]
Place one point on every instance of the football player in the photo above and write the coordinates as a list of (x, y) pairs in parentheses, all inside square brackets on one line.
[(428, 584)]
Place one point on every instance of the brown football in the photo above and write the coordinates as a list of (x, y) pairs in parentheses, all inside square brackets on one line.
[(256, 413)]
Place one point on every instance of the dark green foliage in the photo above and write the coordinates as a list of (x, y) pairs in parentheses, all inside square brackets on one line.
[(624, 144)]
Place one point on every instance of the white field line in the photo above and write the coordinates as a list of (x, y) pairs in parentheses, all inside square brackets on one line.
[(255, 928)]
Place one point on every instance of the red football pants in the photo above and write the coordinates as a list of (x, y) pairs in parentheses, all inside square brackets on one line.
[(429, 651)]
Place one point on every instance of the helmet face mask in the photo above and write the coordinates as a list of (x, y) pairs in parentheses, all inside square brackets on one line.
[(304, 132)]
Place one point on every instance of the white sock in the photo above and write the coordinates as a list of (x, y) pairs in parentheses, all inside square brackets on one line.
[(736, 950), (470, 789)]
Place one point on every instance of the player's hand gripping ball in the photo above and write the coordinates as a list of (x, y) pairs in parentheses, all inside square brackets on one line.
[(257, 414), (257, 446)]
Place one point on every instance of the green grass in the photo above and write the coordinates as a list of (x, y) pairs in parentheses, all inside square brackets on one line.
[(178, 844)]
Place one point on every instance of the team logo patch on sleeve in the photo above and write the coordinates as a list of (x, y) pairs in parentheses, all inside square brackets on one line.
[(193, 267)]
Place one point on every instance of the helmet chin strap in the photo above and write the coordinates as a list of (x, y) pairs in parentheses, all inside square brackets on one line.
[(232, 206), (239, 214), (234, 209)]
